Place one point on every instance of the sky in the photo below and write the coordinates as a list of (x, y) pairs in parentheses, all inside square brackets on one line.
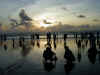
[(45, 13)]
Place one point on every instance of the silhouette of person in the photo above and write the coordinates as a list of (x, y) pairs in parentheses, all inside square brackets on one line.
[(5, 47), (13, 40), (32, 39), (65, 36), (33, 36), (54, 36), (5, 37), (49, 58), (49, 54), (75, 35), (92, 52), (69, 57), (65, 43), (83, 36), (79, 43), (37, 36), (48, 36), (92, 40)]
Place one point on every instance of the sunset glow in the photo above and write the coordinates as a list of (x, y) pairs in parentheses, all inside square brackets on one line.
[(45, 20)]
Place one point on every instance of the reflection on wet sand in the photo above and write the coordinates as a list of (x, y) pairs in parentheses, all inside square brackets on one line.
[(70, 58), (12, 68), (88, 42), (92, 52)]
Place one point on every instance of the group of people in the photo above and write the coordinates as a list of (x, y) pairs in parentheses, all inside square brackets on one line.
[(50, 58)]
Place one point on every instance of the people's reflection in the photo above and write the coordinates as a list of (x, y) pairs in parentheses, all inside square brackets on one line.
[(1, 40), (38, 43), (33, 39), (78, 43), (33, 36), (98, 37), (54, 40), (70, 58), (33, 43), (49, 58), (99, 56), (86, 42), (55, 46), (5, 47), (21, 41), (25, 50), (92, 52), (49, 66), (79, 55), (99, 51)]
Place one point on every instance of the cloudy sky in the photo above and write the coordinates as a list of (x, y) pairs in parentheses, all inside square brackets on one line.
[(53, 12)]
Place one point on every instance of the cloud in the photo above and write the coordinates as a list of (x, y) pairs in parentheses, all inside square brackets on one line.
[(23, 16), (46, 22), (64, 8), (9, 7), (14, 21), (81, 16), (60, 28), (96, 20), (71, 28), (25, 19)]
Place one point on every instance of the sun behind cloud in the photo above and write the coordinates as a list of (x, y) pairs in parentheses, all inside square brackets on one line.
[(45, 20)]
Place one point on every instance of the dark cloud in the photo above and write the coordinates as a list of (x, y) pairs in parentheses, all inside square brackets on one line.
[(66, 27), (46, 22), (25, 19), (81, 16), (60, 28), (96, 20), (64, 8), (23, 16), (14, 21)]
